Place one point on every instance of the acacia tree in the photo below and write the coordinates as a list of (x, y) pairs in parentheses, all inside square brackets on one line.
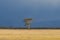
[(27, 22)]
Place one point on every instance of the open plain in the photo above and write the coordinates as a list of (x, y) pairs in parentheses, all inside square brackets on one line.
[(33, 34)]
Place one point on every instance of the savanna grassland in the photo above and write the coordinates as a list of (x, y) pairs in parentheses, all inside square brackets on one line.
[(33, 34)]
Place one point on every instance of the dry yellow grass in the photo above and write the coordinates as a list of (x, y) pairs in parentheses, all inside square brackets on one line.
[(10, 34)]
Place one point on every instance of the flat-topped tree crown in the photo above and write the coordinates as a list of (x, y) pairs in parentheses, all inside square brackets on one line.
[(27, 19)]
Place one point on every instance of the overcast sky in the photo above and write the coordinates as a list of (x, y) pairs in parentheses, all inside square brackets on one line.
[(43, 12)]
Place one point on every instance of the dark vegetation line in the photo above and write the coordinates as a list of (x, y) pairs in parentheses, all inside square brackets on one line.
[(30, 28)]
